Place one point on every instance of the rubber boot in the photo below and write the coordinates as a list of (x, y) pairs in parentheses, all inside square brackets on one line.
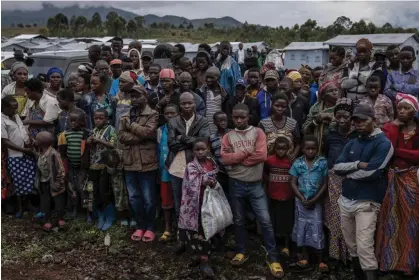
[(371, 275), (359, 273), (110, 217), (101, 219)]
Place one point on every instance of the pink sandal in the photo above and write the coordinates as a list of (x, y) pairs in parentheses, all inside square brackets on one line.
[(137, 235), (47, 227), (62, 224), (149, 236)]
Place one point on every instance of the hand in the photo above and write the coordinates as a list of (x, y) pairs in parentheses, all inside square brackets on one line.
[(91, 140), (124, 123), (310, 204), (398, 122), (164, 101), (362, 165), (31, 153)]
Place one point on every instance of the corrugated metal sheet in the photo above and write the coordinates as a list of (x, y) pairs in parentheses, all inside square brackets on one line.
[(29, 36), (376, 39), (306, 46)]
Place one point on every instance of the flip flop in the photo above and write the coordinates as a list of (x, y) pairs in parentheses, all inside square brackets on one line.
[(137, 235), (276, 269), (323, 268), (149, 236), (285, 253), (239, 259), (166, 237)]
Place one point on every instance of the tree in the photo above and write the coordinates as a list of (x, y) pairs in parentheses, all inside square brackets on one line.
[(51, 23), (35, 25), (73, 22), (132, 26), (387, 27), (181, 26), (359, 27), (61, 21), (20, 25), (110, 17), (372, 28), (153, 25), (139, 20), (115, 27), (341, 25), (28, 26), (80, 23), (190, 25), (96, 22)]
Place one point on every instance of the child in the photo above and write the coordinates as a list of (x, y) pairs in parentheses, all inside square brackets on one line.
[(280, 192), (67, 105), (199, 173), (50, 179), (170, 111), (264, 96), (309, 182), (20, 160), (97, 188), (381, 104), (72, 147)]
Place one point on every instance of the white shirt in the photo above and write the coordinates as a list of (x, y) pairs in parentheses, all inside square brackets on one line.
[(15, 132), (48, 104), (240, 58)]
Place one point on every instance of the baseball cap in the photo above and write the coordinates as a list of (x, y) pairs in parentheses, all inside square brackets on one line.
[(167, 74), (363, 112), (116, 61), (271, 74), (240, 82), (147, 54)]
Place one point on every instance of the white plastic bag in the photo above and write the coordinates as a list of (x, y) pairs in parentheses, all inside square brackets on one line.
[(216, 213)]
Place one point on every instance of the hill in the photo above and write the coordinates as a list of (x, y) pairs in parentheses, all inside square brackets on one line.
[(9, 18)]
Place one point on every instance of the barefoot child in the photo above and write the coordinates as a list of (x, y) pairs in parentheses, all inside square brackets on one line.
[(309, 182), (199, 174), (50, 179), (280, 192)]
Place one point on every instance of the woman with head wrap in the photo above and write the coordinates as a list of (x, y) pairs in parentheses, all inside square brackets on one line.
[(398, 221), (334, 141), (135, 56), (19, 72), (127, 81), (321, 113), (355, 75), (54, 80)]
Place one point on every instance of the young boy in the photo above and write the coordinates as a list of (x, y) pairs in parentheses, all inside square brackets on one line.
[(314, 87), (152, 85), (166, 193), (241, 97), (67, 105), (381, 104), (72, 147), (50, 179), (264, 96), (243, 150), (278, 182), (103, 137), (254, 82), (185, 65)]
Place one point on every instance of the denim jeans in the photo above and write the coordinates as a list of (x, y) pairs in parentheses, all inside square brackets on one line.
[(141, 188), (177, 194), (254, 192)]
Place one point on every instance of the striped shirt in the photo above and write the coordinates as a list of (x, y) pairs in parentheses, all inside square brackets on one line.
[(74, 142), (213, 106)]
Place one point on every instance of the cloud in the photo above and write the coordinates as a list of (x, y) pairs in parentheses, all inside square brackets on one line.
[(287, 13)]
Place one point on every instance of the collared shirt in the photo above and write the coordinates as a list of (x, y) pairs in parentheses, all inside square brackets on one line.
[(14, 130), (158, 89), (240, 56), (397, 81), (383, 108)]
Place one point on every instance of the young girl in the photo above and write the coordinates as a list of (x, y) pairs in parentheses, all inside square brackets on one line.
[(309, 182), (20, 160), (199, 174), (50, 179), (280, 192)]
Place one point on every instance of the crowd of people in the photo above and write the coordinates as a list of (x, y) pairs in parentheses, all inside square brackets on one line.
[(325, 160)]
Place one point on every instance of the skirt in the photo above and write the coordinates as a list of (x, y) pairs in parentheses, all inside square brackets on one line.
[(282, 216), (308, 226), (397, 246), (6, 182), (22, 170)]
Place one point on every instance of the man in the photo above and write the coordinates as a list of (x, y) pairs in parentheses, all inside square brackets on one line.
[(406, 79), (117, 45), (106, 54), (178, 51), (135, 45), (94, 54), (146, 60), (116, 69), (102, 67), (298, 105), (362, 164), (239, 56), (229, 68), (392, 54)]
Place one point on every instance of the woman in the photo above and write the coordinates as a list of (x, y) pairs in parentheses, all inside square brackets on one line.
[(334, 70), (398, 223), (334, 142), (321, 114), (355, 75), (98, 98), (16, 89), (280, 125), (54, 79), (135, 56), (306, 75), (127, 81)]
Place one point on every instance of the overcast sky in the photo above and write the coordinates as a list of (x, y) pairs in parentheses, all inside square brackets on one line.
[(398, 13)]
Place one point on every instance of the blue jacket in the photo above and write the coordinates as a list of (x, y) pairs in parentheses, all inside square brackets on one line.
[(115, 85), (313, 93), (229, 74), (365, 184)]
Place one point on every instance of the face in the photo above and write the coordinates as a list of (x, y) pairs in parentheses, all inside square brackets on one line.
[(80, 84), (343, 118), (125, 86), (406, 59), (240, 46), (11, 110), (138, 100), (363, 53), (316, 75), (55, 80), (169, 112), (240, 119), (93, 55), (63, 104), (281, 149), (186, 85), (72, 83), (134, 57), (332, 94), (393, 56), (32, 95), (211, 80), (116, 70), (278, 107), (335, 59), (21, 75), (364, 127), (373, 88), (285, 88), (240, 91), (405, 112), (146, 61), (187, 104), (221, 121), (176, 54), (380, 58), (271, 84), (310, 149), (298, 84), (154, 73), (116, 46), (106, 56), (202, 63), (102, 68), (186, 66), (306, 75), (100, 119), (225, 50), (95, 84), (76, 122), (253, 78), (200, 150), (127, 66), (166, 84)]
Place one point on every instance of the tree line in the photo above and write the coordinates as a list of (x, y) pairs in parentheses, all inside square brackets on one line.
[(115, 25)]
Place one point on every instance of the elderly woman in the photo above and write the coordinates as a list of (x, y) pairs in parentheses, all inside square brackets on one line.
[(19, 72), (54, 78), (397, 246), (334, 70), (321, 113), (135, 56), (334, 141)]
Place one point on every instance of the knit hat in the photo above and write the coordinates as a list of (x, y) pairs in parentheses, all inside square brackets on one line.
[(129, 77), (167, 74), (408, 99), (294, 75), (213, 71), (271, 74), (185, 76)]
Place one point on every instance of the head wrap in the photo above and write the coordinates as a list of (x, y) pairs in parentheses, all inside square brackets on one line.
[(213, 71), (167, 74), (266, 67), (365, 42), (129, 77), (140, 65), (18, 65), (326, 86), (294, 75), (304, 68), (408, 99), (345, 104), (85, 68), (54, 70), (185, 76)]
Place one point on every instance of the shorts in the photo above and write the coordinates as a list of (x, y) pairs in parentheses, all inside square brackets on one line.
[(166, 195)]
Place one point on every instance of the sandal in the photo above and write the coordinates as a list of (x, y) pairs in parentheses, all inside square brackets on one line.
[(285, 253), (302, 266), (323, 268), (149, 236), (62, 224), (47, 227), (239, 259), (276, 269), (137, 235), (166, 237)]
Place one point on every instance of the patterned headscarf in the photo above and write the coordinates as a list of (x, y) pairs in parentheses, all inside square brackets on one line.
[(326, 86), (408, 99), (345, 104)]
